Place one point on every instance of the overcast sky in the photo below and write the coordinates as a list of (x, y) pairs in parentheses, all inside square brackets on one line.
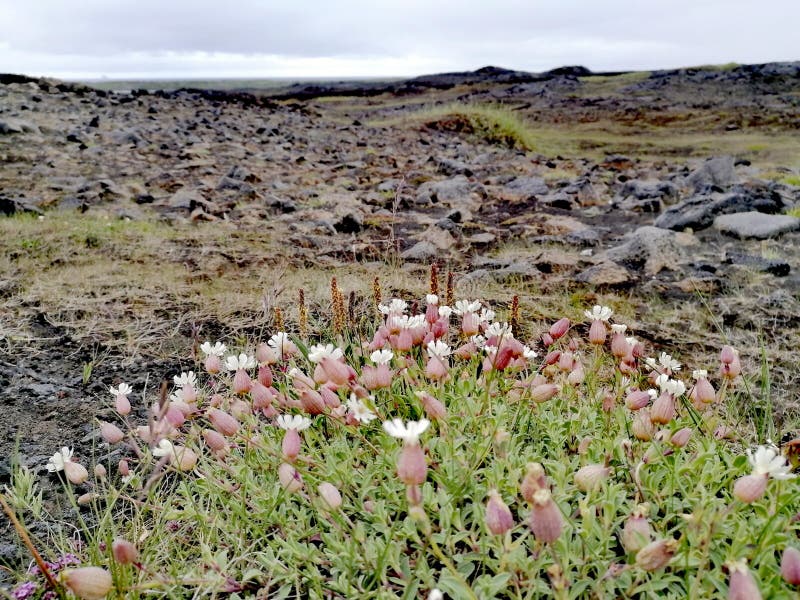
[(351, 38)]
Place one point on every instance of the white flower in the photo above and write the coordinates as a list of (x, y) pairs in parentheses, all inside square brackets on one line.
[(653, 394), (619, 328), (432, 299), (296, 422), (445, 312), (671, 386), (319, 351), (665, 361), (185, 379), (490, 350), (175, 396), (632, 341), (768, 461), (359, 410), (435, 594), (479, 341), (407, 322), (487, 315), (57, 461), (528, 353), (408, 432), (465, 306), (395, 307), (699, 374), (438, 349), (498, 330), (218, 349), (123, 389), (164, 448), (280, 342), (234, 363), (599, 313), (382, 357)]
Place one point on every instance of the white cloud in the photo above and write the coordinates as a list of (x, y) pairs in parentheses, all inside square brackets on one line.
[(316, 38)]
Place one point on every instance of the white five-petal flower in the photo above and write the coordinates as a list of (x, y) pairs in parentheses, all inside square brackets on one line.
[(164, 448), (479, 341), (408, 432), (123, 389), (59, 459), (395, 307), (432, 299), (319, 351), (599, 313), (382, 357), (296, 422), (665, 361), (217, 349), (360, 411), (234, 363), (280, 342), (528, 353), (438, 349), (487, 315), (445, 312), (466, 306), (185, 379), (671, 386), (498, 330), (699, 374), (768, 461), (619, 328)]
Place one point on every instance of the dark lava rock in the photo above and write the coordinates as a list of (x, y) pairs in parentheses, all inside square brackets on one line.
[(699, 212), (717, 171), (349, 223), (779, 268), (528, 186), (11, 206)]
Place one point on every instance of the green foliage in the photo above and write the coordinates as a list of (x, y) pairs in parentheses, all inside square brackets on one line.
[(495, 124), (227, 526)]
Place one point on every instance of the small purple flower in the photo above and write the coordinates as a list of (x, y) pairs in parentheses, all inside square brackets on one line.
[(51, 595), (24, 590)]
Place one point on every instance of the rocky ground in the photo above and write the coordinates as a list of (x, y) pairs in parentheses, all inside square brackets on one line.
[(668, 193)]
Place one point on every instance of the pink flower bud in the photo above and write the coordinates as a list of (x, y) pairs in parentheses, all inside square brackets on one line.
[(330, 397), (547, 340), (636, 533), (576, 376), (241, 382), (656, 555), (559, 328), (99, 471), (122, 405), (88, 583), (289, 478), (266, 355), (184, 459), (223, 422), (87, 498), (498, 515), (76, 473), (727, 355), (336, 370), (434, 409), (742, 585), (470, 324), (681, 437), (312, 402), (590, 477), (546, 521), (704, 391), (174, 416), (215, 441), (212, 364), (111, 433), (261, 395), (543, 393), (552, 357), (330, 495), (642, 427), (411, 466), (620, 347), (790, 565), (123, 468), (265, 376), (750, 488), (533, 481), (637, 399), (124, 552), (435, 369), (663, 409), (597, 333), (290, 446)]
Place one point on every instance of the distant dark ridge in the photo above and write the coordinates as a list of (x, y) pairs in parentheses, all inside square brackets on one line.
[(228, 96), (45, 83)]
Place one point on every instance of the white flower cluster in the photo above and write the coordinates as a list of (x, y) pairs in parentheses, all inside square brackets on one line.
[(319, 351), (599, 313)]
